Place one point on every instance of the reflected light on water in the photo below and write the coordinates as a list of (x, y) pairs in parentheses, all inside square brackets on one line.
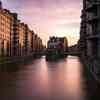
[(43, 80), (74, 78)]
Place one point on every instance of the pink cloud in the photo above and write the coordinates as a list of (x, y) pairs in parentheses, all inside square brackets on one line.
[(47, 17)]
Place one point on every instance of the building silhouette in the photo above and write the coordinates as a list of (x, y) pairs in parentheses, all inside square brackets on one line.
[(90, 29), (89, 43)]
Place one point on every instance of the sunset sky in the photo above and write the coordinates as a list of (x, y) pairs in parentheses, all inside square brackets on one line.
[(49, 17)]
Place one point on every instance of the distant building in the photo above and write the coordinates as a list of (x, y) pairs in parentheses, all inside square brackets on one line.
[(73, 50), (57, 44), (38, 44)]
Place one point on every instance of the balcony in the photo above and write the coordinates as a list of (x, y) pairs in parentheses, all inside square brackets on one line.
[(92, 5), (92, 19), (92, 36)]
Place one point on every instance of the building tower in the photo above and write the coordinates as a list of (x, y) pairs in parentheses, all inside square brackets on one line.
[(0, 4)]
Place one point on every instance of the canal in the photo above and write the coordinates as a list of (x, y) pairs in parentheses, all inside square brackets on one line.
[(65, 79)]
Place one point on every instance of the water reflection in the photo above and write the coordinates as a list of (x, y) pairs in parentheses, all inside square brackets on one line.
[(43, 80), (74, 79)]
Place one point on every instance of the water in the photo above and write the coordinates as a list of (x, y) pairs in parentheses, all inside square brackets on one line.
[(42, 80)]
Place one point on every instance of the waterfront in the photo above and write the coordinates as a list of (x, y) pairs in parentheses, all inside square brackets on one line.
[(42, 80)]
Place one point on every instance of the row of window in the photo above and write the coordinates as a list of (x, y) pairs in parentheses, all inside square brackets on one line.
[(4, 37), (5, 17)]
